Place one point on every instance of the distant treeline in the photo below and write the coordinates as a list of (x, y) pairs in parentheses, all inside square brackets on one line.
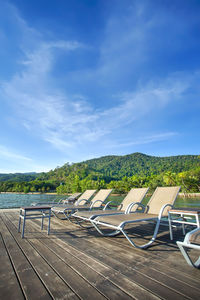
[(118, 172), (19, 177)]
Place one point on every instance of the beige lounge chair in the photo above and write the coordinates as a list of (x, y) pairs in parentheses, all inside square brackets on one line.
[(82, 203), (69, 199), (162, 198), (191, 241), (136, 195)]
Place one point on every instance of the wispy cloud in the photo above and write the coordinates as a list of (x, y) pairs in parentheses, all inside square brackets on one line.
[(9, 154), (69, 120), (144, 140)]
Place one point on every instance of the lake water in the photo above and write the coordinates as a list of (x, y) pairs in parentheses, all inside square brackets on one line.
[(18, 200)]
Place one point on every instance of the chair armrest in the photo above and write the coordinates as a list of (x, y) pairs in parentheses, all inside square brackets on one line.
[(146, 208), (79, 201), (63, 199), (131, 205), (93, 203), (107, 205), (162, 210)]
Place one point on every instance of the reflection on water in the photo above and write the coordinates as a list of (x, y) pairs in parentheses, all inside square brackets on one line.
[(187, 202), (18, 200)]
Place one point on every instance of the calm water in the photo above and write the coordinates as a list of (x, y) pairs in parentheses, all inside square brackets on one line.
[(18, 200)]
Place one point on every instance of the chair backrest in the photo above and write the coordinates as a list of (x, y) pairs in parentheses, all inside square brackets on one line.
[(85, 197), (162, 196), (135, 195), (102, 195)]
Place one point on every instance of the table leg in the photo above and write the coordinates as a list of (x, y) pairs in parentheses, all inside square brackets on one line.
[(19, 224), (48, 231), (42, 221), (23, 228)]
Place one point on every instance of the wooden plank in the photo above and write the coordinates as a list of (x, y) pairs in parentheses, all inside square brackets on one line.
[(148, 264), (158, 255), (152, 284), (94, 273), (55, 285), (83, 288), (76, 274), (75, 281), (133, 273), (173, 278), (185, 273), (75, 235), (9, 285), (29, 281), (66, 253)]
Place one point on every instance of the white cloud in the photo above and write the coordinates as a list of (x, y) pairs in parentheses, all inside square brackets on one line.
[(9, 154), (68, 121), (145, 140)]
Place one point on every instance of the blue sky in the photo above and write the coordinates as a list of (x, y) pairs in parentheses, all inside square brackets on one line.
[(88, 78)]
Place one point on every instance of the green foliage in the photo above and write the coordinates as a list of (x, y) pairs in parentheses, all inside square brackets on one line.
[(118, 172), (19, 177)]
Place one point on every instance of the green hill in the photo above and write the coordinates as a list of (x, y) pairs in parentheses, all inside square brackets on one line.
[(116, 167), (19, 177), (118, 172)]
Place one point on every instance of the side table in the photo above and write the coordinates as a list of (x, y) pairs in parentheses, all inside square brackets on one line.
[(34, 212), (184, 216)]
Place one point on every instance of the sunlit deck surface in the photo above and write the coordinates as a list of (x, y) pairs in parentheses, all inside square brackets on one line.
[(75, 263)]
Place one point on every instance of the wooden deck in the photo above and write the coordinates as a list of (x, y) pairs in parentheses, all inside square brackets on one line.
[(75, 263)]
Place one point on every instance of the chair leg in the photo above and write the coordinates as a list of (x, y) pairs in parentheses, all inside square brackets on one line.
[(117, 230), (184, 250), (113, 233)]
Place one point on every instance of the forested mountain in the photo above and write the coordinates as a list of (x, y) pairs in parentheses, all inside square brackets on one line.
[(116, 167), (142, 164), (19, 177), (117, 172)]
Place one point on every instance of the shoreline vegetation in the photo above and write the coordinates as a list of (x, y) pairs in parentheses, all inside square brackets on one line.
[(120, 173)]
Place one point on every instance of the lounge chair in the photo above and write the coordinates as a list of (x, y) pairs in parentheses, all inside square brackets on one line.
[(82, 203), (136, 195), (162, 198), (191, 241), (69, 199)]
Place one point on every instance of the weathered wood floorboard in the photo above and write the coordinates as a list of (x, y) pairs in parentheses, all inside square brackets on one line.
[(54, 284), (118, 265), (29, 281), (168, 280), (75, 263), (149, 281), (153, 260), (9, 286), (81, 262), (161, 250), (84, 289)]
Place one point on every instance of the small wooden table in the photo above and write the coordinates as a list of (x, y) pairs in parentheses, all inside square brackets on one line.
[(34, 212), (189, 216)]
